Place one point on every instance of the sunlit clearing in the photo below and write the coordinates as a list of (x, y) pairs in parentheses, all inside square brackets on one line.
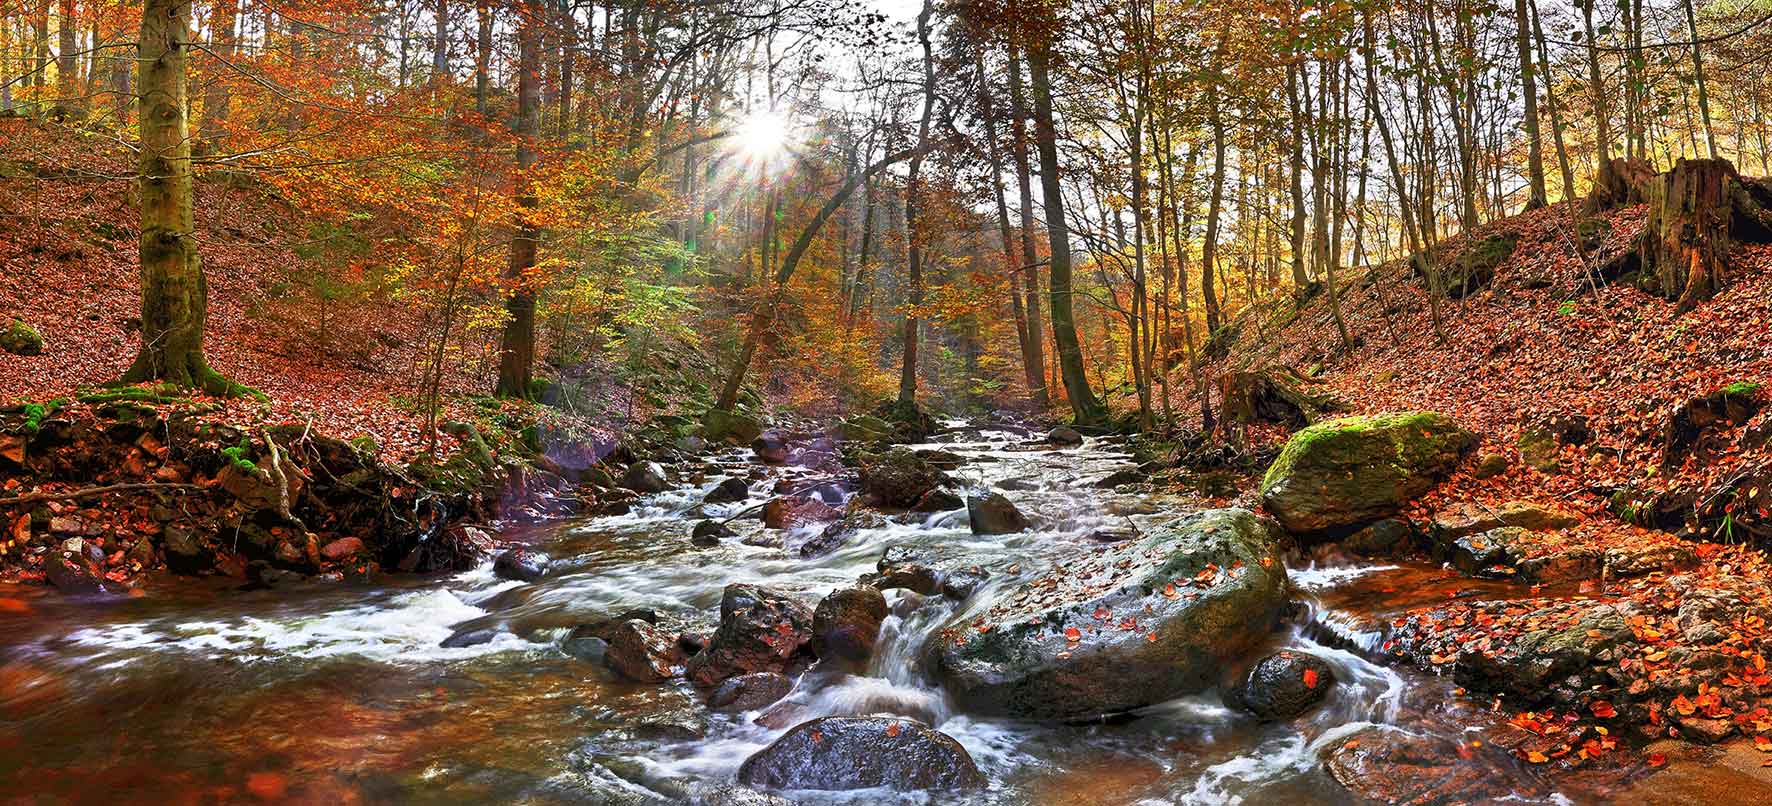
[(762, 136)]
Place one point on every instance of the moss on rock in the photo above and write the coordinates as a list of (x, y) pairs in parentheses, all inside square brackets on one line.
[(21, 339), (1347, 472)]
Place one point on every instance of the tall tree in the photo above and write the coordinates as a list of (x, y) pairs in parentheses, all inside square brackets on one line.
[(517, 344), (907, 378), (1085, 407), (175, 294), (1535, 195)]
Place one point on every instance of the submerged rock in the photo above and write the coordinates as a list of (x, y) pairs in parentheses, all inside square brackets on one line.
[(1123, 626), (846, 752), (761, 630), (994, 514), (1385, 538), (1389, 765), (750, 692), (520, 564), (789, 512), (1347, 472), (1283, 685), (1469, 519), (837, 534)]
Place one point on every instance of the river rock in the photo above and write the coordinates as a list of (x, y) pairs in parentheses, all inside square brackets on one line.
[(1470, 518), (1283, 685), (344, 548), (794, 511), (709, 533), (994, 514), (1388, 537), (645, 478), (750, 692), (899, 478), (961, 583), (1063, 436), (467, 638), (902, 567), (837, 534), (846, 624), (638, 651), (1121, 478), (520, 564), (1389, 765), (76, 566), (185, 553), (761, 630), (1347, 472), (848, 752), (719, 425), (938, 500), (770, 449), (728, 491), (1118, 627), (942, 460)]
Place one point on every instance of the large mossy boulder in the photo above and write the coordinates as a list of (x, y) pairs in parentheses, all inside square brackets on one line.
[(1115, 629), (1344, 473), (862, 752), (19, 338), (719, 425)]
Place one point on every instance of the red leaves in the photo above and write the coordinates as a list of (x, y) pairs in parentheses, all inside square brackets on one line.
[(1602, 709), (892, 730), (1310, 678)]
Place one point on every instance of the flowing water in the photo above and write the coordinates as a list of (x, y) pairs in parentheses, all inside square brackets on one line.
[(198, 692)]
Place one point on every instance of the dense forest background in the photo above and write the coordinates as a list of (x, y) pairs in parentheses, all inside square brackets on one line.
[(986, 204)]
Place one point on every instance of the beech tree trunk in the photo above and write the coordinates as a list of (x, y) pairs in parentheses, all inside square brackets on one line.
[(517, 343), (1535, 194), (175, 297)]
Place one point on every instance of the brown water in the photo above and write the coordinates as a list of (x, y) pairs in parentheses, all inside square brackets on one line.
[(195, 692)]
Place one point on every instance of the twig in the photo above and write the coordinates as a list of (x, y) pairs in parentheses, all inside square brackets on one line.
[(89, 492)]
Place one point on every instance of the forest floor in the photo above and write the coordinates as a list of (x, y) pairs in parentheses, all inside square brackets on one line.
[(1637, 436)]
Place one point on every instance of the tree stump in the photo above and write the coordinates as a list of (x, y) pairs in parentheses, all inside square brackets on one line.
[(1692, 213), (1620, 182), (1275, 395)]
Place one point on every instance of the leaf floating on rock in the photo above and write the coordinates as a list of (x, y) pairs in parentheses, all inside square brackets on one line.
[(1310, 678), (1072, 634), (892, 730), (1603, 709)]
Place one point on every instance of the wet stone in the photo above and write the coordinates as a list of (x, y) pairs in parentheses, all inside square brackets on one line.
[(520, 564), (750, 692), (728, 491), (845, 753)]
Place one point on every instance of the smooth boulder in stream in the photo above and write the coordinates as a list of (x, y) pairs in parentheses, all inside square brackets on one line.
[(993, 514), (1120, 627), (1352, 471), (862, 752), (645, 478)]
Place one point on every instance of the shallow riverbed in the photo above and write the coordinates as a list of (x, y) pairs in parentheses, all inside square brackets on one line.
[(193, 691)]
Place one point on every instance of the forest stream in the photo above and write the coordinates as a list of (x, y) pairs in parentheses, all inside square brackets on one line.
[(194, 691)]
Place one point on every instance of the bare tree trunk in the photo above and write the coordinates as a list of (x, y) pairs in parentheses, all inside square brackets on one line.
[(1029, 255), (907, 376), (439, 44), (1214, 207), (175, 295), (1535, 195), (483, 55), (217, 99)]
